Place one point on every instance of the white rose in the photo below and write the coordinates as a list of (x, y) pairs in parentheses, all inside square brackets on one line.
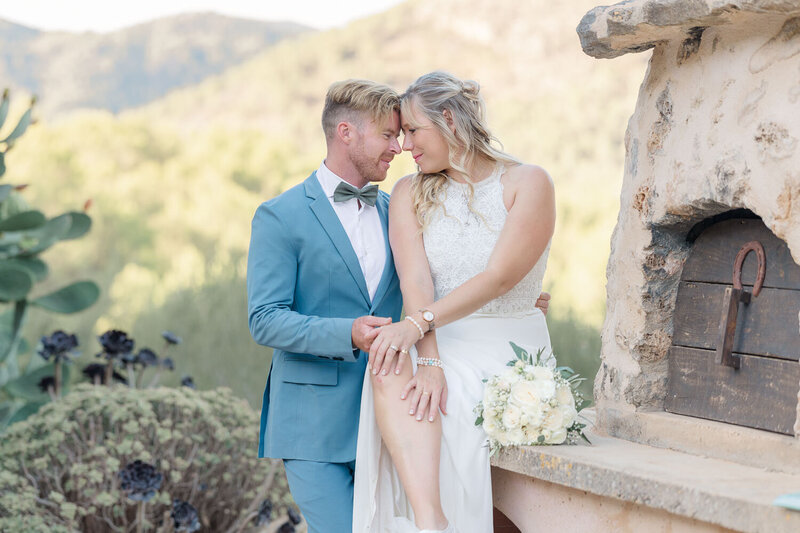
[(564, 396), (540, 372), (490, 426), (570, 415), (532, 434), (512, 416), (554, 420), (533, 415), (545, 389), (516, 436), (556, 437), (525, 394)]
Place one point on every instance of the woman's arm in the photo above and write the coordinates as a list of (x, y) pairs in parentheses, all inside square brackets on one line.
[(416, 285)]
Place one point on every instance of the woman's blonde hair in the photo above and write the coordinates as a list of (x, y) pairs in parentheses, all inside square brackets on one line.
[(432, 95)]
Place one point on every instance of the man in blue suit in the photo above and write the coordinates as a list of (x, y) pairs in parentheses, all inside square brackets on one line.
[(320, 278)]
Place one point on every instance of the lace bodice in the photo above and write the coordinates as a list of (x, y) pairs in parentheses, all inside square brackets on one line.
[(459, 242)]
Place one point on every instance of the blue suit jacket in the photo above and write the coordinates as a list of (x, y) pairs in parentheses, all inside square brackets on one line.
[(304, 289)]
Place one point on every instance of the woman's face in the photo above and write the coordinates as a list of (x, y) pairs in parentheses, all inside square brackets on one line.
[(422, 138)]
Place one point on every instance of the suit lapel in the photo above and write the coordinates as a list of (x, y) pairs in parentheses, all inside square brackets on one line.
[(324, 212), (388, 268)]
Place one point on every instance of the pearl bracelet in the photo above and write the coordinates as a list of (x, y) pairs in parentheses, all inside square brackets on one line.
[(429, 361), (421, 333)]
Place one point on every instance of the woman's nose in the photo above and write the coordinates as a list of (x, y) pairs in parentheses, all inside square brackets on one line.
[(407, 144)]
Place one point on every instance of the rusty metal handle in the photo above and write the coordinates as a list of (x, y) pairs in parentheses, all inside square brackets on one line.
[(752, 246), (730, 303)]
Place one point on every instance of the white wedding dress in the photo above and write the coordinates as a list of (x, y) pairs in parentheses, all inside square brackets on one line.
[(458, 243)]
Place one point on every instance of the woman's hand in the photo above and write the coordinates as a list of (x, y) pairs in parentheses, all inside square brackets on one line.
[(392, 340), (429, 394)]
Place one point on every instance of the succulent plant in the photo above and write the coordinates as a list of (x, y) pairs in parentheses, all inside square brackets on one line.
[(140, 481), (115, 343), (146, 357), (264, 513), (184, 516), (294, 515), (58, 345), (171, 338), (187, 381)]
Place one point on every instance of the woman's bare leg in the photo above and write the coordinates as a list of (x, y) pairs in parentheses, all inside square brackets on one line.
[(413, 444)]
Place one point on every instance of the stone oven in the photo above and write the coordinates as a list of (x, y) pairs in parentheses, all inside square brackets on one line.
[(697, 406)]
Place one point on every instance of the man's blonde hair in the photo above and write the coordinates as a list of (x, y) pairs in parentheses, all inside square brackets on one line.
[(355, 99)]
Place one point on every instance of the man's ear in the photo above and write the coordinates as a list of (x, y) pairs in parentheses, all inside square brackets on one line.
[(345, 131), (448, 117)]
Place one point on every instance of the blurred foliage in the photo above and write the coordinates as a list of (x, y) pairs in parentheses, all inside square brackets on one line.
[(60, 466), (174, 184), (26, 234)]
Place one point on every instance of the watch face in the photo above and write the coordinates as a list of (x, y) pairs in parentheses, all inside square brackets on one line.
[(427, 315)]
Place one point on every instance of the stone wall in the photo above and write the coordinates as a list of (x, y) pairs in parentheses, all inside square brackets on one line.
[(716, 127)]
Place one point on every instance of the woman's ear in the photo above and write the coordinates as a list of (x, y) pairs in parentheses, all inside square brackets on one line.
[(448, 117)]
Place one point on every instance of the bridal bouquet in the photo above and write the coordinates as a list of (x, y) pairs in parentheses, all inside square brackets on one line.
[(531, 404)]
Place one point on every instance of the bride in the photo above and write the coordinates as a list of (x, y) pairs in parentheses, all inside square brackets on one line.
[(470, 234)]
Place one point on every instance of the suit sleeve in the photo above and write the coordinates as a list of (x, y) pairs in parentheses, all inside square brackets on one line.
[(271, 278)]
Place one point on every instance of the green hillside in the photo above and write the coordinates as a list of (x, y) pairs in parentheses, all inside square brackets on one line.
[(174, 184), (132, 66)]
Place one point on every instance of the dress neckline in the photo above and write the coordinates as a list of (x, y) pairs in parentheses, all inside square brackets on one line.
[(491, 178)]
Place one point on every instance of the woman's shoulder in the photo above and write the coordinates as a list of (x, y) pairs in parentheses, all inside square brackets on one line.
[(528, 177), (403, 186)]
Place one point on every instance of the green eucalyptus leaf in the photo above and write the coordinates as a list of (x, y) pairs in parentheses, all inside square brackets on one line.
[(36, 267), (46, 236), (5, 190), (81, 223), (4, 108), (27, 220), (10, 327), (2, 164), (71, 299), (522, 355), (20, 128), (23, 346), (26, 410), (26, 386), (15, 283)]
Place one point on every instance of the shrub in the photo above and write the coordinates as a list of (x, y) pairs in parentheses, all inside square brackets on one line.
[(60, 468)]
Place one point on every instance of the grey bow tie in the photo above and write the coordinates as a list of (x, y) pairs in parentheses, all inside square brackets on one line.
[(345, 191)]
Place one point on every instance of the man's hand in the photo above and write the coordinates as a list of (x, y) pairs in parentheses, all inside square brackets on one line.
[(543, 302), (364, 330)]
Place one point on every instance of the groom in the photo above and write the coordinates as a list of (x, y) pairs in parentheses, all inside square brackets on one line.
[(320, 278)]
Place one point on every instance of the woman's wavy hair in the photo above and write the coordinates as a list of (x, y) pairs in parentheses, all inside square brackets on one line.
[(432, 95)]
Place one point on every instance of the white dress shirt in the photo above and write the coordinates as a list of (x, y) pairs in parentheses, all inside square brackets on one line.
[(363, 227)]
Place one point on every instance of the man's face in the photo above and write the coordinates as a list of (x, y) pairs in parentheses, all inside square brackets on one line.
[(375, 147)]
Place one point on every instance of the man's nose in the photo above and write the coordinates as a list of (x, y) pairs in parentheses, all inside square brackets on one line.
[(395, 147)]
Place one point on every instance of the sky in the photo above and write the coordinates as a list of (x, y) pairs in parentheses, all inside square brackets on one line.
[(104, 16)]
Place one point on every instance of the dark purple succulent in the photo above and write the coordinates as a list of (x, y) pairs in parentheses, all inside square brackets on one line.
[(171, 338), (115, 343), (187, 381), (294, 515), (185, 516), (58, 345), (287, 527), (168, 363), (98, 371), (264, 513), (146, 357), (47, 382), (140, 481)]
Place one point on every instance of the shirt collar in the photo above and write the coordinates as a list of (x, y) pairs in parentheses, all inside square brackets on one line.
[(328, 180)]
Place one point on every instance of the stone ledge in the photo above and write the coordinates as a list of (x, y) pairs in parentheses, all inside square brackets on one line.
[(696, 436), (719, 492), (638, 25)]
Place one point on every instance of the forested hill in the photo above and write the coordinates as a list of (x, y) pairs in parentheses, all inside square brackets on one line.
[(131, 66)]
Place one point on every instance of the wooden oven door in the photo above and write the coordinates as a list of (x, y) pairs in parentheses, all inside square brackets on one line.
[(762, 393)]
